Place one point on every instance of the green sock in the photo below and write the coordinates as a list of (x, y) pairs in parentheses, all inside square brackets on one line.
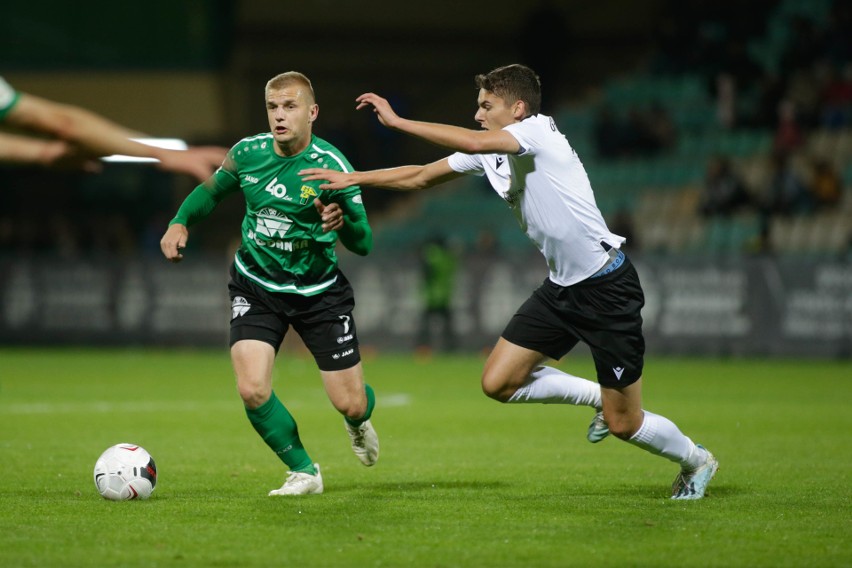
[(371, 403), (278, 429)]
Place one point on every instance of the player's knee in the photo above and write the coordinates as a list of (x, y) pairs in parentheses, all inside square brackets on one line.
[(253, 394), (494, 386), (622, 426), (354, 410), (353, 407)]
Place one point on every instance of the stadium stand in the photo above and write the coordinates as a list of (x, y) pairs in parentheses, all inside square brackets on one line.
[(660, 186)]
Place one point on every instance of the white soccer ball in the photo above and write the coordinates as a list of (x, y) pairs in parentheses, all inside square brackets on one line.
[(125, 471)]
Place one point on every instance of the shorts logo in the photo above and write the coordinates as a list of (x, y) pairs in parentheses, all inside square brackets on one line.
[(239, 307), (345, 324), (343, 354), (344, 338), (618, 372)]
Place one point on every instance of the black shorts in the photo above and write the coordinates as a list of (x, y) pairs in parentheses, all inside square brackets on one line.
[(602, 312), (324, 321)]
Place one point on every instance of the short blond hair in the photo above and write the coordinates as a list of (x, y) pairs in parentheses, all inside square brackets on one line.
[(289, 78)]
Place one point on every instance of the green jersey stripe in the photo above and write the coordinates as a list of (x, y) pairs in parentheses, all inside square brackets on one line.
[(272, 286)]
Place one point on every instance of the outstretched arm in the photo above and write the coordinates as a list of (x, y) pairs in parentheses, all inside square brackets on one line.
[(98, 136), (48, 153), (403, 178), (452, 137)]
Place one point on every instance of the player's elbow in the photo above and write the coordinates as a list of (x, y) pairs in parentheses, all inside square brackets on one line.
[(473, 145), (366, 244), (362, 246)]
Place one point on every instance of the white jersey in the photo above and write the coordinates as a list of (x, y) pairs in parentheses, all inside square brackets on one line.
[(548, 189)]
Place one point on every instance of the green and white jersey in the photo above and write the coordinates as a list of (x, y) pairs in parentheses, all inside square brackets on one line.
[(283, 246), (8, 98)]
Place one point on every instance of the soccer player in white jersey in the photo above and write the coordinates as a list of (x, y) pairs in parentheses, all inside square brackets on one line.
[(592, 293)]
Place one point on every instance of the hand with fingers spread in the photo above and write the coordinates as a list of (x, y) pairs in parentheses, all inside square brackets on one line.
[(381, 107), (335, 179), (174, 241)]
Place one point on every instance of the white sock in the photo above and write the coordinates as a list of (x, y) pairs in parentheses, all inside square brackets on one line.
[(551, 386), (660, 436)]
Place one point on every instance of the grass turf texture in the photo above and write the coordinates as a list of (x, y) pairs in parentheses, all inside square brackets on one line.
[(462, 480)]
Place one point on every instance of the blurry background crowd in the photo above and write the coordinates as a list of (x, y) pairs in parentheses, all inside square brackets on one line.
[(704, 126), (709, 129)]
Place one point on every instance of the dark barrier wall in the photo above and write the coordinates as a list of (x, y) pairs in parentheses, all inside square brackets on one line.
[(749, 306)]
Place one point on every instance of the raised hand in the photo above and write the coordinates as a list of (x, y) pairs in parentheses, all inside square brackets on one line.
[(381, 107)]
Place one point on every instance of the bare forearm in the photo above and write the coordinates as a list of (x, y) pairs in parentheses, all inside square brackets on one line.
[(28, 150), (403, 178), (101, 136), (452, 137), (95, 134)]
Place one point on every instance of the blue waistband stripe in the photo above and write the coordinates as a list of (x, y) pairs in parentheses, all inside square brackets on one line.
[(611, 267)]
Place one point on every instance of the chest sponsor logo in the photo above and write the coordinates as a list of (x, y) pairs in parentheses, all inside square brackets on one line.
[(513, 196), (276, 189), (272, 223)]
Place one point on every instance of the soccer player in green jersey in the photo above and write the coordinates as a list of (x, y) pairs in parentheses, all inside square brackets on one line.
[(285, 273)]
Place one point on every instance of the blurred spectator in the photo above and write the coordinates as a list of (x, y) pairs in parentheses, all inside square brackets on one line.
[(804, 90), (770, 88), (609, 133), (439, 271), (788, 194), (726, 100), (836, 98), (826, 187), (479, 264), (724, 192), (659, 124), (641, 133), (788, 132)]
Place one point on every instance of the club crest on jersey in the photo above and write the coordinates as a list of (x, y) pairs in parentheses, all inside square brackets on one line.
[(272, 223), (307, 193)]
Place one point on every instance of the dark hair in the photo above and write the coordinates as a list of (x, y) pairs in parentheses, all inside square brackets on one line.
[(513, 83)]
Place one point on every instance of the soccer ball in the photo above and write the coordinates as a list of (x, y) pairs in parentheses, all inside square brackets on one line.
[(125, 471)]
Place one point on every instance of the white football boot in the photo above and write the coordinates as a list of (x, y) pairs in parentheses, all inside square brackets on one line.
[(301, 483)]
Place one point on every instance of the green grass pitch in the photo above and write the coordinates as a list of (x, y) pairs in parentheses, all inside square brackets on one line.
[(462, 480)]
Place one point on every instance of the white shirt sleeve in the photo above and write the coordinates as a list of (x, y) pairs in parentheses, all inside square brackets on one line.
[(466, 163), (525, 133)]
